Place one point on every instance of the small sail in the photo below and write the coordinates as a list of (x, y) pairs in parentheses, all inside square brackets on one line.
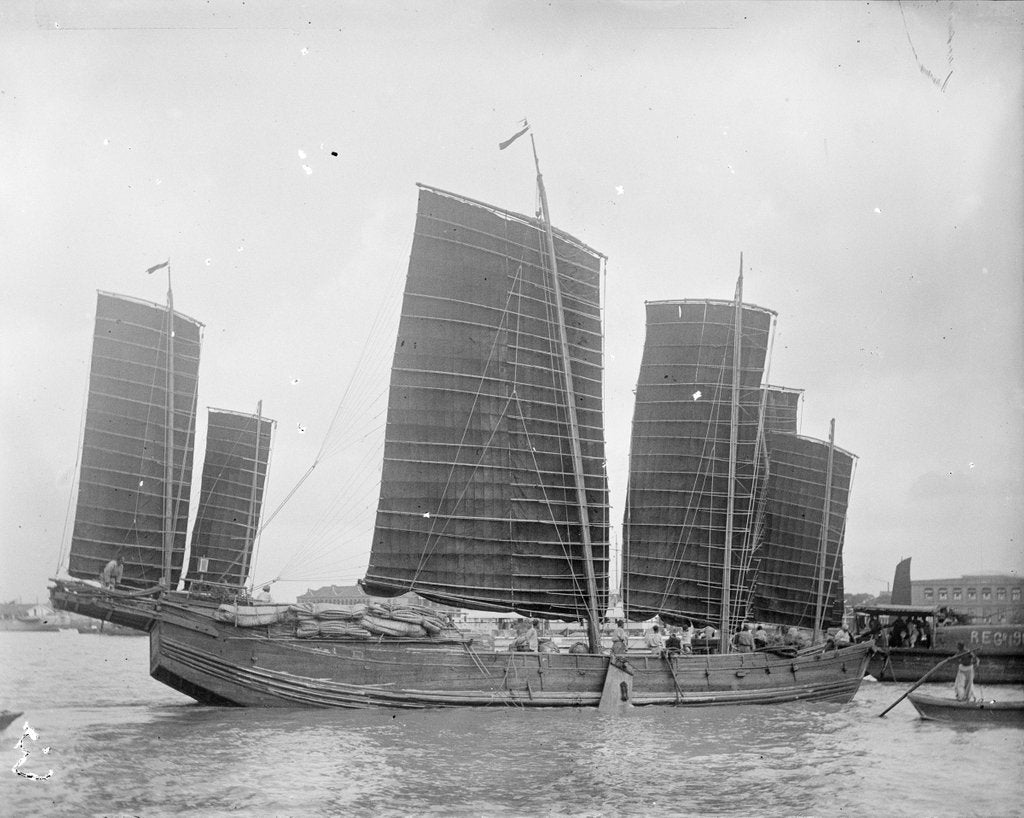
[(120, 510), (788, 558), (901, 583), (674, 532), (781, 408), (478, 503), (229, 502)]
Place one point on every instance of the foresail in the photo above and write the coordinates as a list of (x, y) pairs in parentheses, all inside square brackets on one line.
[(674, 529), (120, 510), (789, 558), (237, 453), (478, 504)]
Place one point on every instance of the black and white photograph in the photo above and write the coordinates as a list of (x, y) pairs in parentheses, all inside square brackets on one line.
[(512, 408)]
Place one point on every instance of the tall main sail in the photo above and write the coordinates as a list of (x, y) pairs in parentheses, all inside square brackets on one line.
[(478, 503), (676, 504), (234, 475), (120, 510)]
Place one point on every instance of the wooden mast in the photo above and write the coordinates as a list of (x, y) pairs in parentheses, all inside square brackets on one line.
[(819, 605), (168, 538), (724, 635), (593, 629)]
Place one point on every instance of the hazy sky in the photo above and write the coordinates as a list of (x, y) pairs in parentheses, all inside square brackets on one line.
[(866, 158)]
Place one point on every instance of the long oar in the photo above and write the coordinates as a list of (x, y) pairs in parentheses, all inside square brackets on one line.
[(922, 680)]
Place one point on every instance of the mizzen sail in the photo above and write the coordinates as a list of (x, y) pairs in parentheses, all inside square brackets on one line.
[(120, 509), (234, 475), (478, 503), (789, 556)]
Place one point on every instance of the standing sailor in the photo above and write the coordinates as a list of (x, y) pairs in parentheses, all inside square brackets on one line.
[(112, 572)]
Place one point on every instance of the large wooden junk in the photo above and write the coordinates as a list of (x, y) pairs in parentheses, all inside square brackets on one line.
[(493, 497)]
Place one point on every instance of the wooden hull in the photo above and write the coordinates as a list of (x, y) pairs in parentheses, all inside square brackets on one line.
[(910, 664), (944, 709), (216, 663), (107, 606)]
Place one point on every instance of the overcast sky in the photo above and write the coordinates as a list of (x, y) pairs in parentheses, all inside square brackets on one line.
[(866, 158)]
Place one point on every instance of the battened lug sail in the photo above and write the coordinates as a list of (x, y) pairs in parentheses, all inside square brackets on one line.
[(901, 591), (781, 409), (478, 504), (674, 532), (120, 509), (788, 560), (234, 475)]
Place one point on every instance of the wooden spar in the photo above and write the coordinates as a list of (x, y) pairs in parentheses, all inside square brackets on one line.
[(819, 605), (724, 635), (593, 630), (250, 533), (921, 681), (168, 538)]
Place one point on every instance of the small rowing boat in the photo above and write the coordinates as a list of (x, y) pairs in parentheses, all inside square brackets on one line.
[(988, 711)]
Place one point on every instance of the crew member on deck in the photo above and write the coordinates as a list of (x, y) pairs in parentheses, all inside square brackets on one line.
[(533, 636), (264, 595), (655, 642), (112, 572), (620, 640), (744, 639)]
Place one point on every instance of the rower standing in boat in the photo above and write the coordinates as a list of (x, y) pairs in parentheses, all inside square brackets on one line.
[(963, 687), (264, 595)]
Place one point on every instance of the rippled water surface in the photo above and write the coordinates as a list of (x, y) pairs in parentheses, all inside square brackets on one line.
[(121, 743)]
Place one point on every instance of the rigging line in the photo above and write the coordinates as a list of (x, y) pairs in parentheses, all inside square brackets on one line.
[(337, 509), (502, 324), (190, 433), (560, 388), (65, 545), (377, 321), (701, 479), (241, 559), (150, 405), (429, 550), (547, 504), (749, 542)]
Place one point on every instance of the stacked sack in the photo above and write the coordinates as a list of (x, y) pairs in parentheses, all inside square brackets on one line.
[(395, 619)]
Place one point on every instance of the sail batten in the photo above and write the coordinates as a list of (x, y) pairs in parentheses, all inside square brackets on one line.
[(477, 460), (120, 506)]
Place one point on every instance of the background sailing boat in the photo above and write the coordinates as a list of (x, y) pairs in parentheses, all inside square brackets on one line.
[(122, 505)]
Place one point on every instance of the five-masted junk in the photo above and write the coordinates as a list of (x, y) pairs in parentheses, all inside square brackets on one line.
[(478, 503), (122, 483), (674, 542), (234, 477)]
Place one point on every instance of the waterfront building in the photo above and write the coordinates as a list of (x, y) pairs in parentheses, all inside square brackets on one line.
[(996, 598)]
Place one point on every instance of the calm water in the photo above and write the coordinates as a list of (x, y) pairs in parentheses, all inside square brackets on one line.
[(121, 743)]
